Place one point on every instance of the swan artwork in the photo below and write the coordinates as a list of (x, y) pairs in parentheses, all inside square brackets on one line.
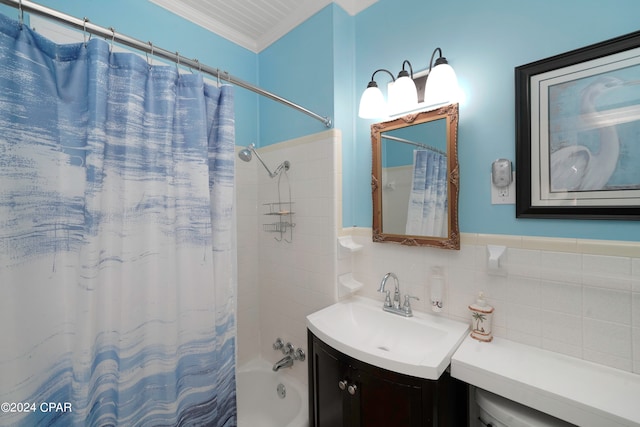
[(578, 168)]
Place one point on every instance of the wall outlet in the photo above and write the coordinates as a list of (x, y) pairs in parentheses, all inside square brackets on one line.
[(504, 195)]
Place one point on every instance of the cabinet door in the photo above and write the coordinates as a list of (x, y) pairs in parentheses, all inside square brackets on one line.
[(388, 400), (345, 392), (327, 399)]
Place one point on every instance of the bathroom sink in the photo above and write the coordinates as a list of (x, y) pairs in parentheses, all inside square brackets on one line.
[(421, 345)]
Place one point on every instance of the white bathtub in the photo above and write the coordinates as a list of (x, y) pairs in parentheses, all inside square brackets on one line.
[(259, 403)]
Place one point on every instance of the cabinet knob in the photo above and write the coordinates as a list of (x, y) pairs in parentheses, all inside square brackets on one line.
[(352, 389), (342, 384)]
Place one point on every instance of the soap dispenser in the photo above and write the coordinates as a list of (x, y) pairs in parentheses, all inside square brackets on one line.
[(481, 316), (437, 289)]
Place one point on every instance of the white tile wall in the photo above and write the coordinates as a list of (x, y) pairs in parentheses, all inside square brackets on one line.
[(576, 297), (286, 281), (248, 312), (565, 296)]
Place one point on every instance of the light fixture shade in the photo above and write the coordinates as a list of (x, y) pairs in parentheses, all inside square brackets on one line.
[(441, 86), (403, 95), (372, 104)]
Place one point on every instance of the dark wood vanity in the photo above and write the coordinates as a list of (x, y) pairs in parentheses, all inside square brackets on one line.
[(345, 392)]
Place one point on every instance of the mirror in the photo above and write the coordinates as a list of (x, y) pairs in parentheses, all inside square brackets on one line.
[(415, 179)]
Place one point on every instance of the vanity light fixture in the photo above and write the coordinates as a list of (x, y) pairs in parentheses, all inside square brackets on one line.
[(442, 83), (372, 103), (441, 87), (404, 95)]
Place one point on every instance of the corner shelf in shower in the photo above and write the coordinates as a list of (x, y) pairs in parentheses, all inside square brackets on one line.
[(284, 223)]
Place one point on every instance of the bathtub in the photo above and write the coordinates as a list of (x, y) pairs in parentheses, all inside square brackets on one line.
[(260, 404)]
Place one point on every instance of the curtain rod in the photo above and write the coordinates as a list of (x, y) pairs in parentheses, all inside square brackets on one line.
[(417, 144), (110, 33)]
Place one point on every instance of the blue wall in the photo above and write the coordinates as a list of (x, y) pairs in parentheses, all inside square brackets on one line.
[(298, 67), (483, 41)]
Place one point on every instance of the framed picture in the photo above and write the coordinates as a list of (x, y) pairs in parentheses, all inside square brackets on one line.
[(578, 133)]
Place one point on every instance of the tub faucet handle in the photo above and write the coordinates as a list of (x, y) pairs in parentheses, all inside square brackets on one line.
[(278, 344), (299, 355)]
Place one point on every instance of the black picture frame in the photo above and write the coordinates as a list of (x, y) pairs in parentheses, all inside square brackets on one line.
[(530, 176)]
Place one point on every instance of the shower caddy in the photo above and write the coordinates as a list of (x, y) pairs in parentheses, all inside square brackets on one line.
[(283, 211)]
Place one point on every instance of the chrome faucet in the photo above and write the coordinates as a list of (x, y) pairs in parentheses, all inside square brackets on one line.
[(395, 307), (396, 293), (290, 354), (285, 362)]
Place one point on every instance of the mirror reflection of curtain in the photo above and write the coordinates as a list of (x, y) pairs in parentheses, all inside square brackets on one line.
[(116, 239), (427, 212)]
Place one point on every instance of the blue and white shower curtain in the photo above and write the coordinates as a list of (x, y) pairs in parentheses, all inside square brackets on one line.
[(117, 301), (428, 205)]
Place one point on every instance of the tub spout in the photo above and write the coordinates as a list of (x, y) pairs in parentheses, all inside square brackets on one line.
[(285, 362)]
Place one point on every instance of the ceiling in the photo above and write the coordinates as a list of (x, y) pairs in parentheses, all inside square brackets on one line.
[(253, 24)]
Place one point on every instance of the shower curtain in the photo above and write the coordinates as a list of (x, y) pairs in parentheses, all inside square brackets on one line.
[(117, 301), (428, 205)]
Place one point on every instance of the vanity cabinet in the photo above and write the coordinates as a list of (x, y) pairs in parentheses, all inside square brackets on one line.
[(345, 392)]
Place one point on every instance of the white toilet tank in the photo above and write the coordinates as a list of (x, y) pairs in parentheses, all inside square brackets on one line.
[(496, 411)]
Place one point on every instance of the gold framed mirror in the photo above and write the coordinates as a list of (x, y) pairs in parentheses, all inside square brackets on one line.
[(415, 179)]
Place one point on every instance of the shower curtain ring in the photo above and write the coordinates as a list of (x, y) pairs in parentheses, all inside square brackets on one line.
[(178, 63), (84, 31), (150, 59), (113, 37), (20, 13)]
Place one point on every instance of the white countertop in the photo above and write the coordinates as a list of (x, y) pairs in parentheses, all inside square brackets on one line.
[(575, 390)]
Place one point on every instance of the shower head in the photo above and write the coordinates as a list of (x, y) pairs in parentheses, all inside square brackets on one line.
[(246, 154)]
